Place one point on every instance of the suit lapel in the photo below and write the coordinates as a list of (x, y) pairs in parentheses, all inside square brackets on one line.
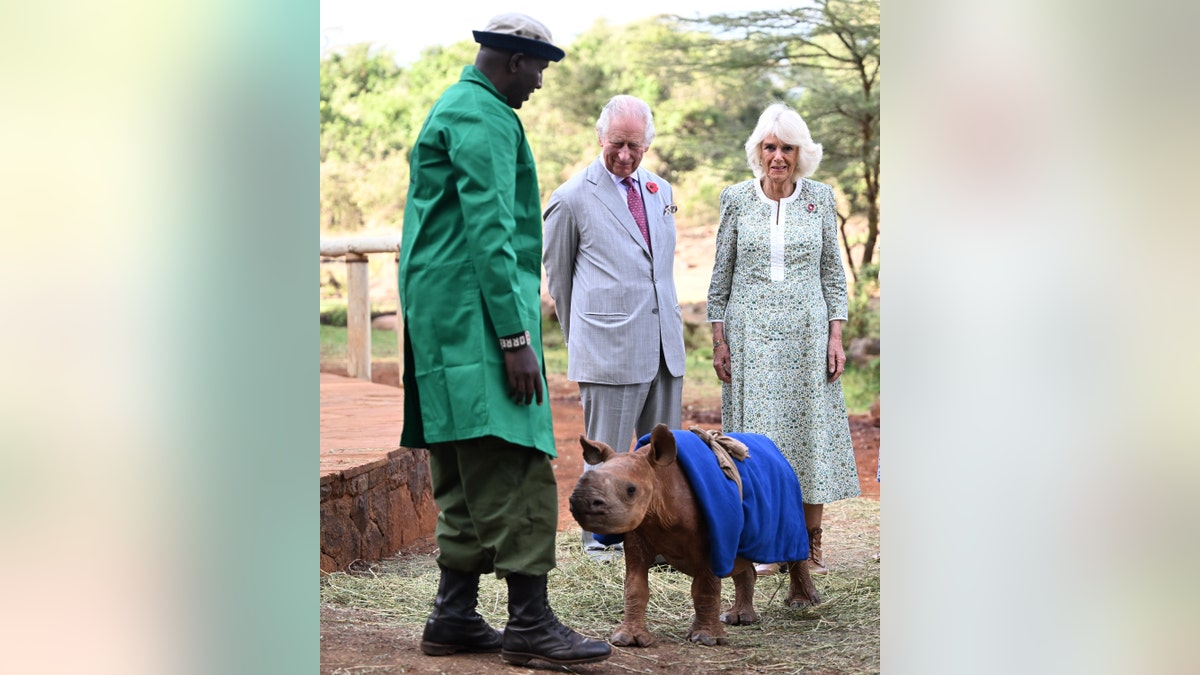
[(615, 201)]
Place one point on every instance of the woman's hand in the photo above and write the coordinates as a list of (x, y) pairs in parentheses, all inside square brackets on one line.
[(721, 361), (835, 357)]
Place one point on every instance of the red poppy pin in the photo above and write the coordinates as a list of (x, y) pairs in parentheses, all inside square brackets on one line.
[(652, 187), (811, 208)]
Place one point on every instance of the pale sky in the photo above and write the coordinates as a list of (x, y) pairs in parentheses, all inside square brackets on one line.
[(408, 27)]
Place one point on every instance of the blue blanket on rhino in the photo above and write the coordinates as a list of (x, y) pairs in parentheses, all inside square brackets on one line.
[(766, 524)]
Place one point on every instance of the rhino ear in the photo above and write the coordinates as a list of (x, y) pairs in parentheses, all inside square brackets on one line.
[(662, 445), (594, 452)]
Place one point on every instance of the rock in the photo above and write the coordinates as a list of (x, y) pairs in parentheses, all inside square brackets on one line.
[(384, 322), (862, 350)]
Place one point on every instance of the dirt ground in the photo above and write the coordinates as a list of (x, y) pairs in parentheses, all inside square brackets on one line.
[(356, 641)]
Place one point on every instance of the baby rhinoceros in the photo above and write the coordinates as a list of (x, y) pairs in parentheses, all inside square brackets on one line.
[(669, 497)]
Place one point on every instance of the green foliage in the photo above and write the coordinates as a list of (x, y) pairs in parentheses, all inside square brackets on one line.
[(357, 194), (361, 106), (860, 386), (827, 53), (372, 110), (701, 117), (333, 313), (700, 381), (554, 350), (384, 345), (426, 79), (863, 319)]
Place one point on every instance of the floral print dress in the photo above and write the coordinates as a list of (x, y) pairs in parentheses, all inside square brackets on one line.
[(777, 282)]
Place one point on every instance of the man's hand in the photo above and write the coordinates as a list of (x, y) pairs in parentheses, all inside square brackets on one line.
[(524, 375)]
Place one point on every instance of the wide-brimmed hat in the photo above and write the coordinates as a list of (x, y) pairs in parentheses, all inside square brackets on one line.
[(519, 33)]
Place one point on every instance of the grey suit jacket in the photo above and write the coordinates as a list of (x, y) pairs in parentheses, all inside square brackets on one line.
[(615, 302)]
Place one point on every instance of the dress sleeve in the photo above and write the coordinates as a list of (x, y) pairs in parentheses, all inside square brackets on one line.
[(833, 275), (726, 258)]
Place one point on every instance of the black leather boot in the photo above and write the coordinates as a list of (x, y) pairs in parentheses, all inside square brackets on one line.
[(454, 625), (533, 632)]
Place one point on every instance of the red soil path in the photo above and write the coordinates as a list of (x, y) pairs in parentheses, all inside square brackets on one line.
[(377, 423)]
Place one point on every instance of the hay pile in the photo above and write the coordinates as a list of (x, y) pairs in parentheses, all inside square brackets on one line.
[(839, 636)]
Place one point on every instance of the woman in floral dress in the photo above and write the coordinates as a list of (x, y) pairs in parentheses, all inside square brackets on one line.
[(777, 301)]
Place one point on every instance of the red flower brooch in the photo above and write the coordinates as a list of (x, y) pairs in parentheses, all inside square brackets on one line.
[(811, 208), (652, 187)]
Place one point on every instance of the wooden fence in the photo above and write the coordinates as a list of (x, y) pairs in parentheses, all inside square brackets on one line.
[(355, 251)]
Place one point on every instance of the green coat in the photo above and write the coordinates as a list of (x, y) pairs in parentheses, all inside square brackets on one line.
[(470, 271)]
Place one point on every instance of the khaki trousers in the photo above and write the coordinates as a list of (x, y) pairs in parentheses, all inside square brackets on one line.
[(499, 507)]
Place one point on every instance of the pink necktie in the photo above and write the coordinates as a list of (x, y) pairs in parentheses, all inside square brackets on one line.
[(638, 209)]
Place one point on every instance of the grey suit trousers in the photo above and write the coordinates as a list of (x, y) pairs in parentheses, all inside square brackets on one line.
[(618, 414)]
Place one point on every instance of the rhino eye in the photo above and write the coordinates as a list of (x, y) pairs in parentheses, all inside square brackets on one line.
[(630, 491)]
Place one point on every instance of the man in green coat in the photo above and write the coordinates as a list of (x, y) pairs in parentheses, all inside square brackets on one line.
[(470, 277)]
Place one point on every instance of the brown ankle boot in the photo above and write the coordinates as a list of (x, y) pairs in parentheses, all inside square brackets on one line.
[(816, 558)]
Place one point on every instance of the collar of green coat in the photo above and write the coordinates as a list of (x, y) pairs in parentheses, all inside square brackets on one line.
[(473, 74)]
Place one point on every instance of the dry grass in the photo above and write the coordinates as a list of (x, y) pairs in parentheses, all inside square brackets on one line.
[(841, 634)]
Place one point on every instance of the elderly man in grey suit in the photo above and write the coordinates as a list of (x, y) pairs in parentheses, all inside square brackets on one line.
[(609, 257)]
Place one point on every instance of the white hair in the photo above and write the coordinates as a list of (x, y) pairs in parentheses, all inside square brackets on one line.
[(781, 121), (621, 105)]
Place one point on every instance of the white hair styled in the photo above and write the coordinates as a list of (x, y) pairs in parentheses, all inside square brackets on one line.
[(781, 121), (622, 105)]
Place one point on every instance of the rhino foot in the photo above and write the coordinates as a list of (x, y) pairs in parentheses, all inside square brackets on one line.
[(801, 600), (739, 618), (631, 637), (707, 638)]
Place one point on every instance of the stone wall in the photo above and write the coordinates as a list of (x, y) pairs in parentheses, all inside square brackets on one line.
[(373, 502)]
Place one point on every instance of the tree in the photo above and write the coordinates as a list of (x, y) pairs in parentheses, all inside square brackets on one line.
[(371, 112), (830, 49), (701, 116), (360, 104)]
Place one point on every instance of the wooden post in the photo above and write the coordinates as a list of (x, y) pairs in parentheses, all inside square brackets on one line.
[(358, 301), (358, 317)]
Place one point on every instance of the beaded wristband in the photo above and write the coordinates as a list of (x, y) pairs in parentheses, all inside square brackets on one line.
[(514, 342)]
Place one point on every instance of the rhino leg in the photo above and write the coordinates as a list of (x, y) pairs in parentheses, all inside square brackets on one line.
[(742, 612), (707, 628), (633, 632), (801, 590)]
